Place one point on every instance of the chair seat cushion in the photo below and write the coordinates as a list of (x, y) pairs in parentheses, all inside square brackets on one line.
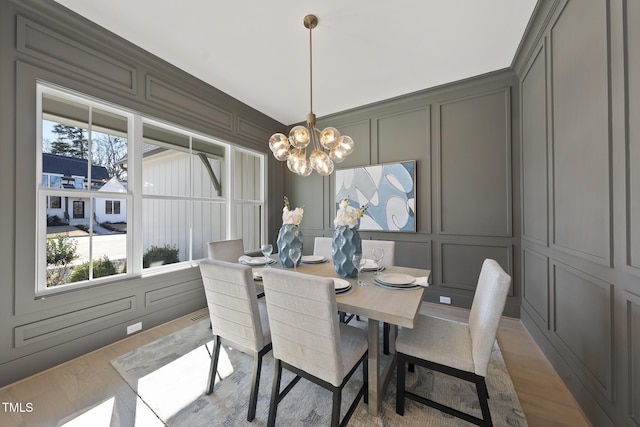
[(353, 344), (438, 340)]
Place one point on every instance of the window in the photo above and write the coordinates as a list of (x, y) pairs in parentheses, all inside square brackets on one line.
[(112, 207), (183, 189)]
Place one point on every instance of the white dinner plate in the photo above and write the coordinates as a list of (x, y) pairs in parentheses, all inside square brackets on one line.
[(396, 287), (340, 284), (396, 279), (312, 259)]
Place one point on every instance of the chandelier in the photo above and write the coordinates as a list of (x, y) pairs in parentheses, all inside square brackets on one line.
[(328, 147)]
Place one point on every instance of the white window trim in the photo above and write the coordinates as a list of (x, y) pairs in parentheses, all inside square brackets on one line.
[(134, 195)]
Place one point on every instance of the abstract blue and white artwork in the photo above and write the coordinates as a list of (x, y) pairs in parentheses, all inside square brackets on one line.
[(388, 190)]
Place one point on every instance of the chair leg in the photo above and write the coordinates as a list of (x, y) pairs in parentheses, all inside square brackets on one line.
[(335, 409), (213, 369), (275, 393), (400, 384), (412, 367), (483, 395), (385, 337), (365, 379), (255, 384)]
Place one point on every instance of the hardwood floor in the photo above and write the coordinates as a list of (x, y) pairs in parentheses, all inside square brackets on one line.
[(87, 391)]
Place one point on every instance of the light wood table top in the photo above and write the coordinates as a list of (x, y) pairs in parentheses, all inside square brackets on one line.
[(397, 307)]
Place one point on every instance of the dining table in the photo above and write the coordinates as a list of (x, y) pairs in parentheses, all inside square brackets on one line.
[(378, 304)]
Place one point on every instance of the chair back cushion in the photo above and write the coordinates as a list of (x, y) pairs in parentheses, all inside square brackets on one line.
[(389, 247), (233, 304), (226, 250), (322, 247), (303, 316), (486, 309)]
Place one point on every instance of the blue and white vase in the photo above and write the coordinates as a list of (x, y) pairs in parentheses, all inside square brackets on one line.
[(289, 237), (346, 242)]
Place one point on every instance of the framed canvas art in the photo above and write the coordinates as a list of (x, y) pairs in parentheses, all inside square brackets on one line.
[(389, 191)]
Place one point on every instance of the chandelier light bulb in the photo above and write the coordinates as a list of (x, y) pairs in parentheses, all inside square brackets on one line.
[(278, 141), (346, 144), (299, 136), (282, 153), (329, 138), (337, 155)]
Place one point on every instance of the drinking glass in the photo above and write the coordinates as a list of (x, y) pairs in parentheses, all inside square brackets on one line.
[(295, 254), (359, 262), (266, 249), (377, 254)]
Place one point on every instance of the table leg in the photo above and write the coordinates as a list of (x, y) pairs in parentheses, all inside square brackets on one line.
[(374, 349)]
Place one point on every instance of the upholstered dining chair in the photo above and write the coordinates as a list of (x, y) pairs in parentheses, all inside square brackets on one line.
[(309, 341), (237, 318), (226, 250), (322, 247), (230, 251), (454, 348), (389, 247)]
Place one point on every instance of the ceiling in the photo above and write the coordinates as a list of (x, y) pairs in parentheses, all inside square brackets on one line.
[(363, 51)]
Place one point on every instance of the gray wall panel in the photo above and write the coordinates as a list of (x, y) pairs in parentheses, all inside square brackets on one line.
[(581, 194), (580, 299), (414, 254), (406, 136), (534, 151), (633, 167), (633, 355), (174, 294), (475, 165), (454, 255), (167, 95), (42, 43), (535, 284), (71, 325)]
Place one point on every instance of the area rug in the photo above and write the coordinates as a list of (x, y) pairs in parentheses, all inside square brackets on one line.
[(170, 375)]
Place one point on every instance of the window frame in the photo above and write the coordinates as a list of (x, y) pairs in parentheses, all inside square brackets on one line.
[(133, 196)]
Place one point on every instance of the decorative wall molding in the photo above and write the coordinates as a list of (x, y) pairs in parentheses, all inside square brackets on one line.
[(581, 299), (71, 325), (166, 94), (47, 45)]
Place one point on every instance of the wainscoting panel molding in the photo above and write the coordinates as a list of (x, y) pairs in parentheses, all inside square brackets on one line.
[(413, 127), (535, 201), (40, 42), (475, 165), (200, 109), (471, 256), (175, 294), (68, 326), (581, 299), (633, 165), (633, 355), (581, 136), (535, 284)]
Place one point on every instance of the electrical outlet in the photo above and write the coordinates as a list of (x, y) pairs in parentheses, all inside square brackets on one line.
[(134, 328), (445, 300)]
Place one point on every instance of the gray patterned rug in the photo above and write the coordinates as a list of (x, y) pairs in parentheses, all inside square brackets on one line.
[(170, 374)]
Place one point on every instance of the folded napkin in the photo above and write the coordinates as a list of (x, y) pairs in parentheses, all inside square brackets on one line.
[(422, 281), (254, 260)]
